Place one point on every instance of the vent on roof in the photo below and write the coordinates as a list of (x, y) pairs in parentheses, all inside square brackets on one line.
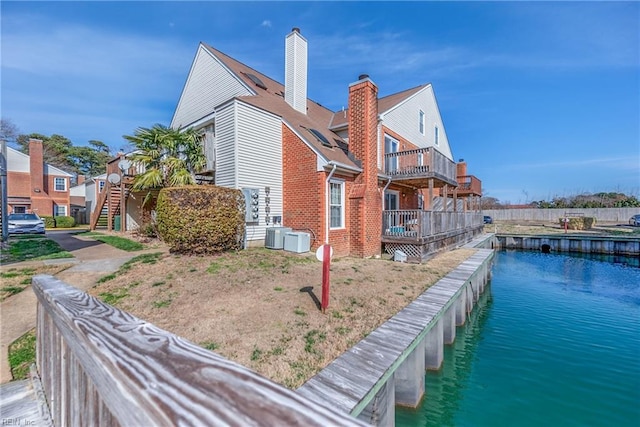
[(256, 80), (320, 137)]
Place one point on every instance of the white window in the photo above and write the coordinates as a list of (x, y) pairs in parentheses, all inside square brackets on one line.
[(390, 146), (422, 122), (60, 184), (101, 186), (436, 135), (336, 204), (60, 210)]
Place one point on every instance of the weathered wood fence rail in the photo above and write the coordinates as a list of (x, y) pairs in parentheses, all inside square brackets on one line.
[(101, 366), (419, 224)]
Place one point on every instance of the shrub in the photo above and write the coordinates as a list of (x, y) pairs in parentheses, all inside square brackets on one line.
[(200, 219), (49, 221), (579, 223), (65, 221)]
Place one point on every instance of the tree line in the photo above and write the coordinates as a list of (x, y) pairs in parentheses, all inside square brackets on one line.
[(59, 151), (578, 201)]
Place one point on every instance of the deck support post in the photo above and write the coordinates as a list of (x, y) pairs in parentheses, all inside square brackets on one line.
[(461, 307), (381, 411), (434, 346), (409, 378), (449, 324)]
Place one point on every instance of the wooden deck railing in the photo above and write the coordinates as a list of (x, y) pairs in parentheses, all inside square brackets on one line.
[(420, 163), (102, 366), (418, 224)]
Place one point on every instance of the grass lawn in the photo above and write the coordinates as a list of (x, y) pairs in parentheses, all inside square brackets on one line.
[(32, 249), (115, 241), (22, 353)]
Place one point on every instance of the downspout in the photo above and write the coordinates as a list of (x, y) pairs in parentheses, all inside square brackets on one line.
[(328, 211)]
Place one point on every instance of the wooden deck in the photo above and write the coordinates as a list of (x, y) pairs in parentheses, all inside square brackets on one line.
[(22, 403), (351, 382)]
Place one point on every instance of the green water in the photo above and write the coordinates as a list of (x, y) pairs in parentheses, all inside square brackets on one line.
[(555, 341)]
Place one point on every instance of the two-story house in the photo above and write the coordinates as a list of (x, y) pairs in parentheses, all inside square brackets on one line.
[(35, 186), (370, 177)]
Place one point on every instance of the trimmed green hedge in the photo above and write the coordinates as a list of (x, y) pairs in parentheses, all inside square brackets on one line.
[(58, 221), (200, 219), (49, 221), (65, 221)]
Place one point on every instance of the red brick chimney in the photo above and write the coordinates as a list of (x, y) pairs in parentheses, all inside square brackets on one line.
[(80, 179), (36, 167), (461, 168), (365, 198)]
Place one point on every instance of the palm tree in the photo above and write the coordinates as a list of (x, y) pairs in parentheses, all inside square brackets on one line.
[(170, 157)]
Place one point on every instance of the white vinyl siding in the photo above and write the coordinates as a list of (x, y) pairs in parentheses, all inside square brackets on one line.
[(402, 120), (226, 146), (259, 162), (208, 85)]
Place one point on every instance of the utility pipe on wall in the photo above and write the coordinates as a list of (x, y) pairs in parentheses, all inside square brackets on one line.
[(327, 208)]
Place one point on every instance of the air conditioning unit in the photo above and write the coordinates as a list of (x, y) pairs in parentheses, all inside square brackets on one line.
[(297, 242), (274, 239)]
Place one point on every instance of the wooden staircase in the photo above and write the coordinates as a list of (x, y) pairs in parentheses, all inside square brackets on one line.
[(111, 200)]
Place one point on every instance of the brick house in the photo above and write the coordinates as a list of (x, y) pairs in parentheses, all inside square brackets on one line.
[(35, 186), (372, 176)]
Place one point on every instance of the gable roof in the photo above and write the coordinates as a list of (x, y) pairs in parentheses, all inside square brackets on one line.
[(340, 119), (25, 167), (269, 96)]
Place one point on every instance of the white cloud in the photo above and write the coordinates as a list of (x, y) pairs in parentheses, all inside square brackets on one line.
[(266, 23)]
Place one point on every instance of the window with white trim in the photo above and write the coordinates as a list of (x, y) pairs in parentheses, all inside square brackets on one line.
[(422, 122), (436, 136), (60, 210), (101, 186), (336, 204), (60, 184)]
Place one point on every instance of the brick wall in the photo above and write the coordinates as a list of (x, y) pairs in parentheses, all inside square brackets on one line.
[(40, 188), (365, 198), (302, 208)]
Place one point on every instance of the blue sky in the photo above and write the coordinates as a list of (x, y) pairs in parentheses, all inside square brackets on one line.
[(541, 99)]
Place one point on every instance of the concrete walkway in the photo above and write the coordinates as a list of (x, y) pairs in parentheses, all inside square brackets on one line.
[(93, 260)]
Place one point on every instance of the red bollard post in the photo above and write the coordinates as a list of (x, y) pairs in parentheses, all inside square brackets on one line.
[(326, 259)]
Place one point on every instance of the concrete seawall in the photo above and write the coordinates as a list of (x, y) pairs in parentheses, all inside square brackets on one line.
[(627, 246), (387, 367)]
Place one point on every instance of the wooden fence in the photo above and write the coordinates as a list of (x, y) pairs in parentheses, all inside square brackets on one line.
[(618, 215), (103, 366)]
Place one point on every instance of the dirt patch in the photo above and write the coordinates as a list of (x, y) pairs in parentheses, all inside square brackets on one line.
[(16, 279), (260, 307)]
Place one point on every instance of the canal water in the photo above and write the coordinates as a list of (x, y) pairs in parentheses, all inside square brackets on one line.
[(554, 341)]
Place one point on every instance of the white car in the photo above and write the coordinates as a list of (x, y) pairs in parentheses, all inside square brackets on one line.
[(24, 223), (635, 220)]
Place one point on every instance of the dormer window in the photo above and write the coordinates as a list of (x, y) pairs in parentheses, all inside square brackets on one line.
[(421, 118)]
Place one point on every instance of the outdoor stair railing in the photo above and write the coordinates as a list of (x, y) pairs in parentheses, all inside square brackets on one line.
[(102, 366)]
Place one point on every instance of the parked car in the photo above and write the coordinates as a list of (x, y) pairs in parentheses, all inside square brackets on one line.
[(635, 220), (488, 219), (24, 223)]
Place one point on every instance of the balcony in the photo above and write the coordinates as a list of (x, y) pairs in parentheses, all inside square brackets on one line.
[(420, 234), (417, 167), (469, 185)]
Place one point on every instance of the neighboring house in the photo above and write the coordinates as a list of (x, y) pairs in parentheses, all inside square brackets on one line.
[(35, 186), (361, 178), (84, 196)]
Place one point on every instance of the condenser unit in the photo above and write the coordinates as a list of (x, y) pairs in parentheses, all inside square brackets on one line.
[(274, 239), (297, 242)]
